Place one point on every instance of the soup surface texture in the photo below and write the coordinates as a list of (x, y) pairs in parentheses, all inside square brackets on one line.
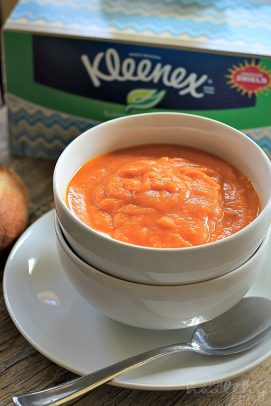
[(162, 196)]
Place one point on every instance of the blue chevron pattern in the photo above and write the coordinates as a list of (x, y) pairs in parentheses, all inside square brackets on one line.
[(207, 7), (204, 19), (44, 133), (39, 132), (50, 140), (219, 4), (262, 137), (39, 150), (48, 121)]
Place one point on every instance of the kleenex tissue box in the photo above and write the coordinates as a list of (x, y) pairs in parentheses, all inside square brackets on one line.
[(71, 65)]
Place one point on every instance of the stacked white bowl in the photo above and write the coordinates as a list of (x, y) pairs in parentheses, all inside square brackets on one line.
[(162, 288)]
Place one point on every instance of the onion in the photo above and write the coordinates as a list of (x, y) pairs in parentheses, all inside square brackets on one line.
[(13, 206)]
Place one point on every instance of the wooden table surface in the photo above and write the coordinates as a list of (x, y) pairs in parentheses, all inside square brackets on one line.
[(22, 368)]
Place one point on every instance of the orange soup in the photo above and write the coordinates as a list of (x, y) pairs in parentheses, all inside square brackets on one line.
[(162, 196)]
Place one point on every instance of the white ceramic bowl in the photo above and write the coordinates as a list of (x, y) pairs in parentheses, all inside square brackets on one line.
[(156, 306), (154, 265)]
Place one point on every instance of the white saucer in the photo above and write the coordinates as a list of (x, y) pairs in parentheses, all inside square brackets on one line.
[(62, 326)]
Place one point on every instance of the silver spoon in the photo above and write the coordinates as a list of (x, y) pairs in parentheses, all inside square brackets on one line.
[(239, 329)]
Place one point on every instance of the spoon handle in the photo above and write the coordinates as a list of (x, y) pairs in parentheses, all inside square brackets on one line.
[(60, 394)]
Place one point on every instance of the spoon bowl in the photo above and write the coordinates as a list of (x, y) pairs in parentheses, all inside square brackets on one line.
[(236, 330)]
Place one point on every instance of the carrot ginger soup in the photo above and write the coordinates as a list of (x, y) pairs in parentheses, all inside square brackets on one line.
[(164, 196)]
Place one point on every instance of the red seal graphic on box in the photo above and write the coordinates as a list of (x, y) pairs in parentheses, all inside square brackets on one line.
[(249, 78)]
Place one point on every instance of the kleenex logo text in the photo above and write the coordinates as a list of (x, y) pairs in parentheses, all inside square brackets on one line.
[(132, 77), (143, 71)]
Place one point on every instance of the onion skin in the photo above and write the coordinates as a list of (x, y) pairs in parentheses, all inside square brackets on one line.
[(13, 207)]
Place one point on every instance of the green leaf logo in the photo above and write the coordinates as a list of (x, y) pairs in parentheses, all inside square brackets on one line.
[(144, 98)]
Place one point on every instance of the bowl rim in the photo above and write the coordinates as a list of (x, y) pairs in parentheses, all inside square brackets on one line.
[(104, 236), (89, 268)]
